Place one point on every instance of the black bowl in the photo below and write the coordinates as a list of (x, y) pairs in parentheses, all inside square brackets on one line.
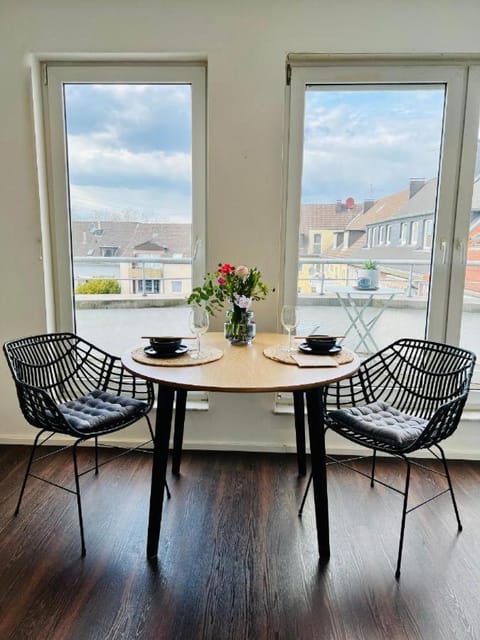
[(165, 345), (321, 342)]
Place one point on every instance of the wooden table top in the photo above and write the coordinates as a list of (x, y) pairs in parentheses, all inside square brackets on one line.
[(242, 369)]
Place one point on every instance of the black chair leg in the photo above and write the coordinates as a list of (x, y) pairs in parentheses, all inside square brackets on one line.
[(374, 459), (404, 516), (77, 492), (180, 408), (35, 444), (96, 455), (300, 511), (450, 486), (150, 429), (299, 411)]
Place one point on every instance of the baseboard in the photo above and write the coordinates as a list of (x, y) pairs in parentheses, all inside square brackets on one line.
[(453, 453)]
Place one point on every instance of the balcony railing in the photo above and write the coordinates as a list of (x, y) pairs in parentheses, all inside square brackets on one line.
[(141, 272), (411, 277), (398, 273)]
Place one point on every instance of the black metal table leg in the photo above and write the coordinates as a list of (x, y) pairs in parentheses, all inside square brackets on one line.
[(163, 424), (299, 409), (316, 429), (180, 405)]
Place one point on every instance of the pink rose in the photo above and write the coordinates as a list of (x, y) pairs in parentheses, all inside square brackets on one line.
[(221, 280), (242, 271)]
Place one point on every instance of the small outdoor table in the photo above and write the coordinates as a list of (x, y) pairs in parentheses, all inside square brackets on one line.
[(355, 302)]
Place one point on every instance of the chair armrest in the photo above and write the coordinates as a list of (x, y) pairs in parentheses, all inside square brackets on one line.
[(442, 424), (106, 372), (350, 392), (121, 382), (39, 408)]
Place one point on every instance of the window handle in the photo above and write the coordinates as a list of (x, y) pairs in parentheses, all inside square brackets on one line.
[(196, 246), (444, 250), (461, 246)]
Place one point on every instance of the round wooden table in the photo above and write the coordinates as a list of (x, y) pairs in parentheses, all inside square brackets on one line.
[(242, 369)]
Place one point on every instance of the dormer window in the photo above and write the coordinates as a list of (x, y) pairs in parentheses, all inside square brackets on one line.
[(109, 252)]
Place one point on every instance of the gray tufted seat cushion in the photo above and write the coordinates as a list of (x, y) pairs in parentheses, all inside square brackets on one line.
[(99, 410), (382, 422)]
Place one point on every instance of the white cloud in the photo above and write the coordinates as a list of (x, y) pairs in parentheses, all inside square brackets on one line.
[(96, 156), (362, 147), (153, 205)]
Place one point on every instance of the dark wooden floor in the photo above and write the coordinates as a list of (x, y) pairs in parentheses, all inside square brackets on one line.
[(235, 561)]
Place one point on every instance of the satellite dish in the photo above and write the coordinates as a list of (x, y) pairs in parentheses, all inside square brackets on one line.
[(350, 203)]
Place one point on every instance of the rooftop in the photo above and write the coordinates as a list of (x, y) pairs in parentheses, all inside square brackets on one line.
[(131, 238)]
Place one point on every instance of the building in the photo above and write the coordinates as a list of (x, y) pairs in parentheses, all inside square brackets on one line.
[(168, 245), (320, 226)]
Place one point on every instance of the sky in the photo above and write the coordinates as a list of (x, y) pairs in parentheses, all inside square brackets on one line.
[(129, 151), (368, 143), (129, 146)]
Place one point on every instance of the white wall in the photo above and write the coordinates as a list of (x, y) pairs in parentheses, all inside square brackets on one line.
[(246, 44)]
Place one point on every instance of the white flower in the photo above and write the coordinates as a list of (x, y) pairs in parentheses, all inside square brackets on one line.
[(242, 301), (242, 271)]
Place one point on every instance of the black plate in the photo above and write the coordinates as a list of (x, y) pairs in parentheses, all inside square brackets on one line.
[(304, 348), (151, 353)]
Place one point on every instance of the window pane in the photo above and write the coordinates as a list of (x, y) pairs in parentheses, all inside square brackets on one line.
[(130, 182), (362, 144), (470, 336)]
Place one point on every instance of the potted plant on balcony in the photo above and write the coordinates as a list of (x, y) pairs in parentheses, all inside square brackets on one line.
[(368, 275)]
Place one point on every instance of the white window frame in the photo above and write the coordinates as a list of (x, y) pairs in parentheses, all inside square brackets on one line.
[(403, 233), (176, 284), (48, 78), (414, 232), (461, 77), (383, 234), (317, 244), (369, 237), (388, 238)]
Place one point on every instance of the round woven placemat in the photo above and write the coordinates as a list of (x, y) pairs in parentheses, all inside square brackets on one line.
[(185, 360), (279, 354)]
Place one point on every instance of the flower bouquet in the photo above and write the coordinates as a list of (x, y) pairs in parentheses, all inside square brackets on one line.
[(239, 286)]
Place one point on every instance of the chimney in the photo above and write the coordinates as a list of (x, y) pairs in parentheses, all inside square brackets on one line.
[(367, 204), (339, 206), (415, 185)]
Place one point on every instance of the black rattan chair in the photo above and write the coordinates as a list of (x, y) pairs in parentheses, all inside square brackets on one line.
[(67, 386), (408, 396)]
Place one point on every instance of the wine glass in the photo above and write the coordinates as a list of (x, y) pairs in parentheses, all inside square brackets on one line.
[(199, 321), (289, 320)]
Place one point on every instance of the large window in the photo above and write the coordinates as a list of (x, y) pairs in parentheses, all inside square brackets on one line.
[(414, 233), (126, 173), (428, 234), (356, 136)]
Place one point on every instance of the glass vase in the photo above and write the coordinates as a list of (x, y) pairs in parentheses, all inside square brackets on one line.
[(240, 327)]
